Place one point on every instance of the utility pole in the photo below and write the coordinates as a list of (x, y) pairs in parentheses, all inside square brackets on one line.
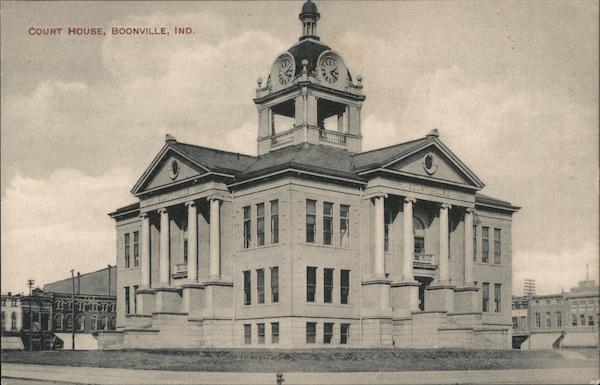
[(73, 310), (30, 283)]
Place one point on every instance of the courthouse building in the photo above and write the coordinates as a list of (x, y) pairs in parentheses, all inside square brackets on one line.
[(313, 242)]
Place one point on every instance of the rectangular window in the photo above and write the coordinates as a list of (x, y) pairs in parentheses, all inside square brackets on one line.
[(498, 297), (327, 223), (136, 248), (311, 283), (419, 245), (485, 244), (485, 296), (261, 333), (135, 290), (474, 243), (311, 332), (327, 285), (260, 285), (344, 286), (126, 299), (260, 224), (311, 220), (344, 334), (274, 332), (558, 318), (274, 284), (574, 320), (497, 246), (548, 319), (327, 333), (582, 319), (247, 227), (274, 222), (515, 322), (344, 225), (247, 334), (591, 320), (538, 320), (127, 251), (387, 220), (247, 288)]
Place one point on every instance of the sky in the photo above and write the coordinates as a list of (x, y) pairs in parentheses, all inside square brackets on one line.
[(511, 86)]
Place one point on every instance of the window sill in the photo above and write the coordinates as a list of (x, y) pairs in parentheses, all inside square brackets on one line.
[(262, 247), (259, 305), (131, 268), (342, 305), (327, 246)]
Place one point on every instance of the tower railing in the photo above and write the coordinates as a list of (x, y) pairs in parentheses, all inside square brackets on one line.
[(332, 137), (283, 137)]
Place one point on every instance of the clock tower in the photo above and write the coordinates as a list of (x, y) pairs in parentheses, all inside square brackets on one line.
[(309, 96)]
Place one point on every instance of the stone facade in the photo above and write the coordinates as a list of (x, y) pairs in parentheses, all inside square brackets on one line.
[(313, 243)]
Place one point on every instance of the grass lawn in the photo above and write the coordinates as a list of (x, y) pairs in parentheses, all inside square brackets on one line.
[(347, 360)]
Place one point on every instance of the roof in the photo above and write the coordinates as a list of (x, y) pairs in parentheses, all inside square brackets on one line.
[(125, 209), (488, 200), (215, 160), (381, 156), (310, 50)]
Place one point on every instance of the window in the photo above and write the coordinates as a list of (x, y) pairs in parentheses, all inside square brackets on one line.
[(515, 322), (94, 323), (311, 332), (327, 223), (558, 318), (474, 243), (387, 220), (344, 333), (13, 321), (538, 320), (327, 333), (548, 319), (127, 300), (3, 321), (69, 321), (247, 227), (311, 283), (558, 300), (486, 296), (590, 301), (344, 225), (247, 288), (311, 218), (344, 286), (591, 320), (247, 334), (260, 224), (582, 318), (135, 290), (80, 322), (103, 323), (274, 222), (274, 284), (261, 333), (497, 246), (260, 285), (58, 321), (136, 248), (274, 332), (419, 236), (113, 323), (127, 255), (498, 297), (327, 285), (485, 245), (574, 320)]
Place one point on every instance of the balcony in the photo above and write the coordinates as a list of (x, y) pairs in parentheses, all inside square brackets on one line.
[(180, 271), (333, 137), (282, 138), (423, 260)]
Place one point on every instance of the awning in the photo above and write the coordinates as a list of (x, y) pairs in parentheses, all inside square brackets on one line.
[(83, 341), (580, 339), (11, 342)]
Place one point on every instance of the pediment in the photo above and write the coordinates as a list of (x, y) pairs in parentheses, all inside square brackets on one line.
[(435, 162), (167, 169)]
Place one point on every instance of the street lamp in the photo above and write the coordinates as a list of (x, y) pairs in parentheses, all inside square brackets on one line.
[(73, 311), (30, 283)]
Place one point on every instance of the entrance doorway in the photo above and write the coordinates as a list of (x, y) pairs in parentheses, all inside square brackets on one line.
[(423, 283)]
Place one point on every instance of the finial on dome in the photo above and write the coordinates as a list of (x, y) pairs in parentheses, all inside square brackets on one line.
[(304, 64), (433, 133), (309, 16), (170, 138), (259, 82)]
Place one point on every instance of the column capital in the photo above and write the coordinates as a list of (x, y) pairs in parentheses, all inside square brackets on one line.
[(162, 210), (144, 215), (470, 210), (410, 200), (190, 204), (215, 198), (445, 206)]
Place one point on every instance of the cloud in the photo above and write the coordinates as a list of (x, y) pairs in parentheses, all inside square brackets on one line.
[(58, 223)]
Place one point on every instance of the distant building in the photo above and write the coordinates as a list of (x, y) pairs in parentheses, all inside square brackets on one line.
[(557, 320), (529, 287), (12, 320)]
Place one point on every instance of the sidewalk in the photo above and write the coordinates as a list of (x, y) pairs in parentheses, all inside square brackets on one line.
[(87, 375)]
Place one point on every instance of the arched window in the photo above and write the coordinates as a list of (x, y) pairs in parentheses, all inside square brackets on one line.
[(94, 323), (13, 321), (419, 234), (103, 323), (58, 322), (113, 323), (80, 322), (69, 321)]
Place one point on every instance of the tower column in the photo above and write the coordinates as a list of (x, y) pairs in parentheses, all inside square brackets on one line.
[(145, 251), (408, 240), (214, 265), (163, 273), (469, 247), (192, 267), (443, 253), (379, 239)]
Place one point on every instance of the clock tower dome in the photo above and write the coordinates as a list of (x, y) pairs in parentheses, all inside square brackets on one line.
[(309, 95)]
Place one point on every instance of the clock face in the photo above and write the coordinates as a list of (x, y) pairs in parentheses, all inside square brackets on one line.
[(286, 71), (329, 69)]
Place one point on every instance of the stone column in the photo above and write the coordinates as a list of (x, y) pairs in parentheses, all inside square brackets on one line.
[(214, 265), (443, 253), (379, 239), (408, 249), (469, 247), (163, 273), (192, 229), (145, 252)]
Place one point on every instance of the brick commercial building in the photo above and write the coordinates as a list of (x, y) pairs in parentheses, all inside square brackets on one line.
[(313, 242)]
